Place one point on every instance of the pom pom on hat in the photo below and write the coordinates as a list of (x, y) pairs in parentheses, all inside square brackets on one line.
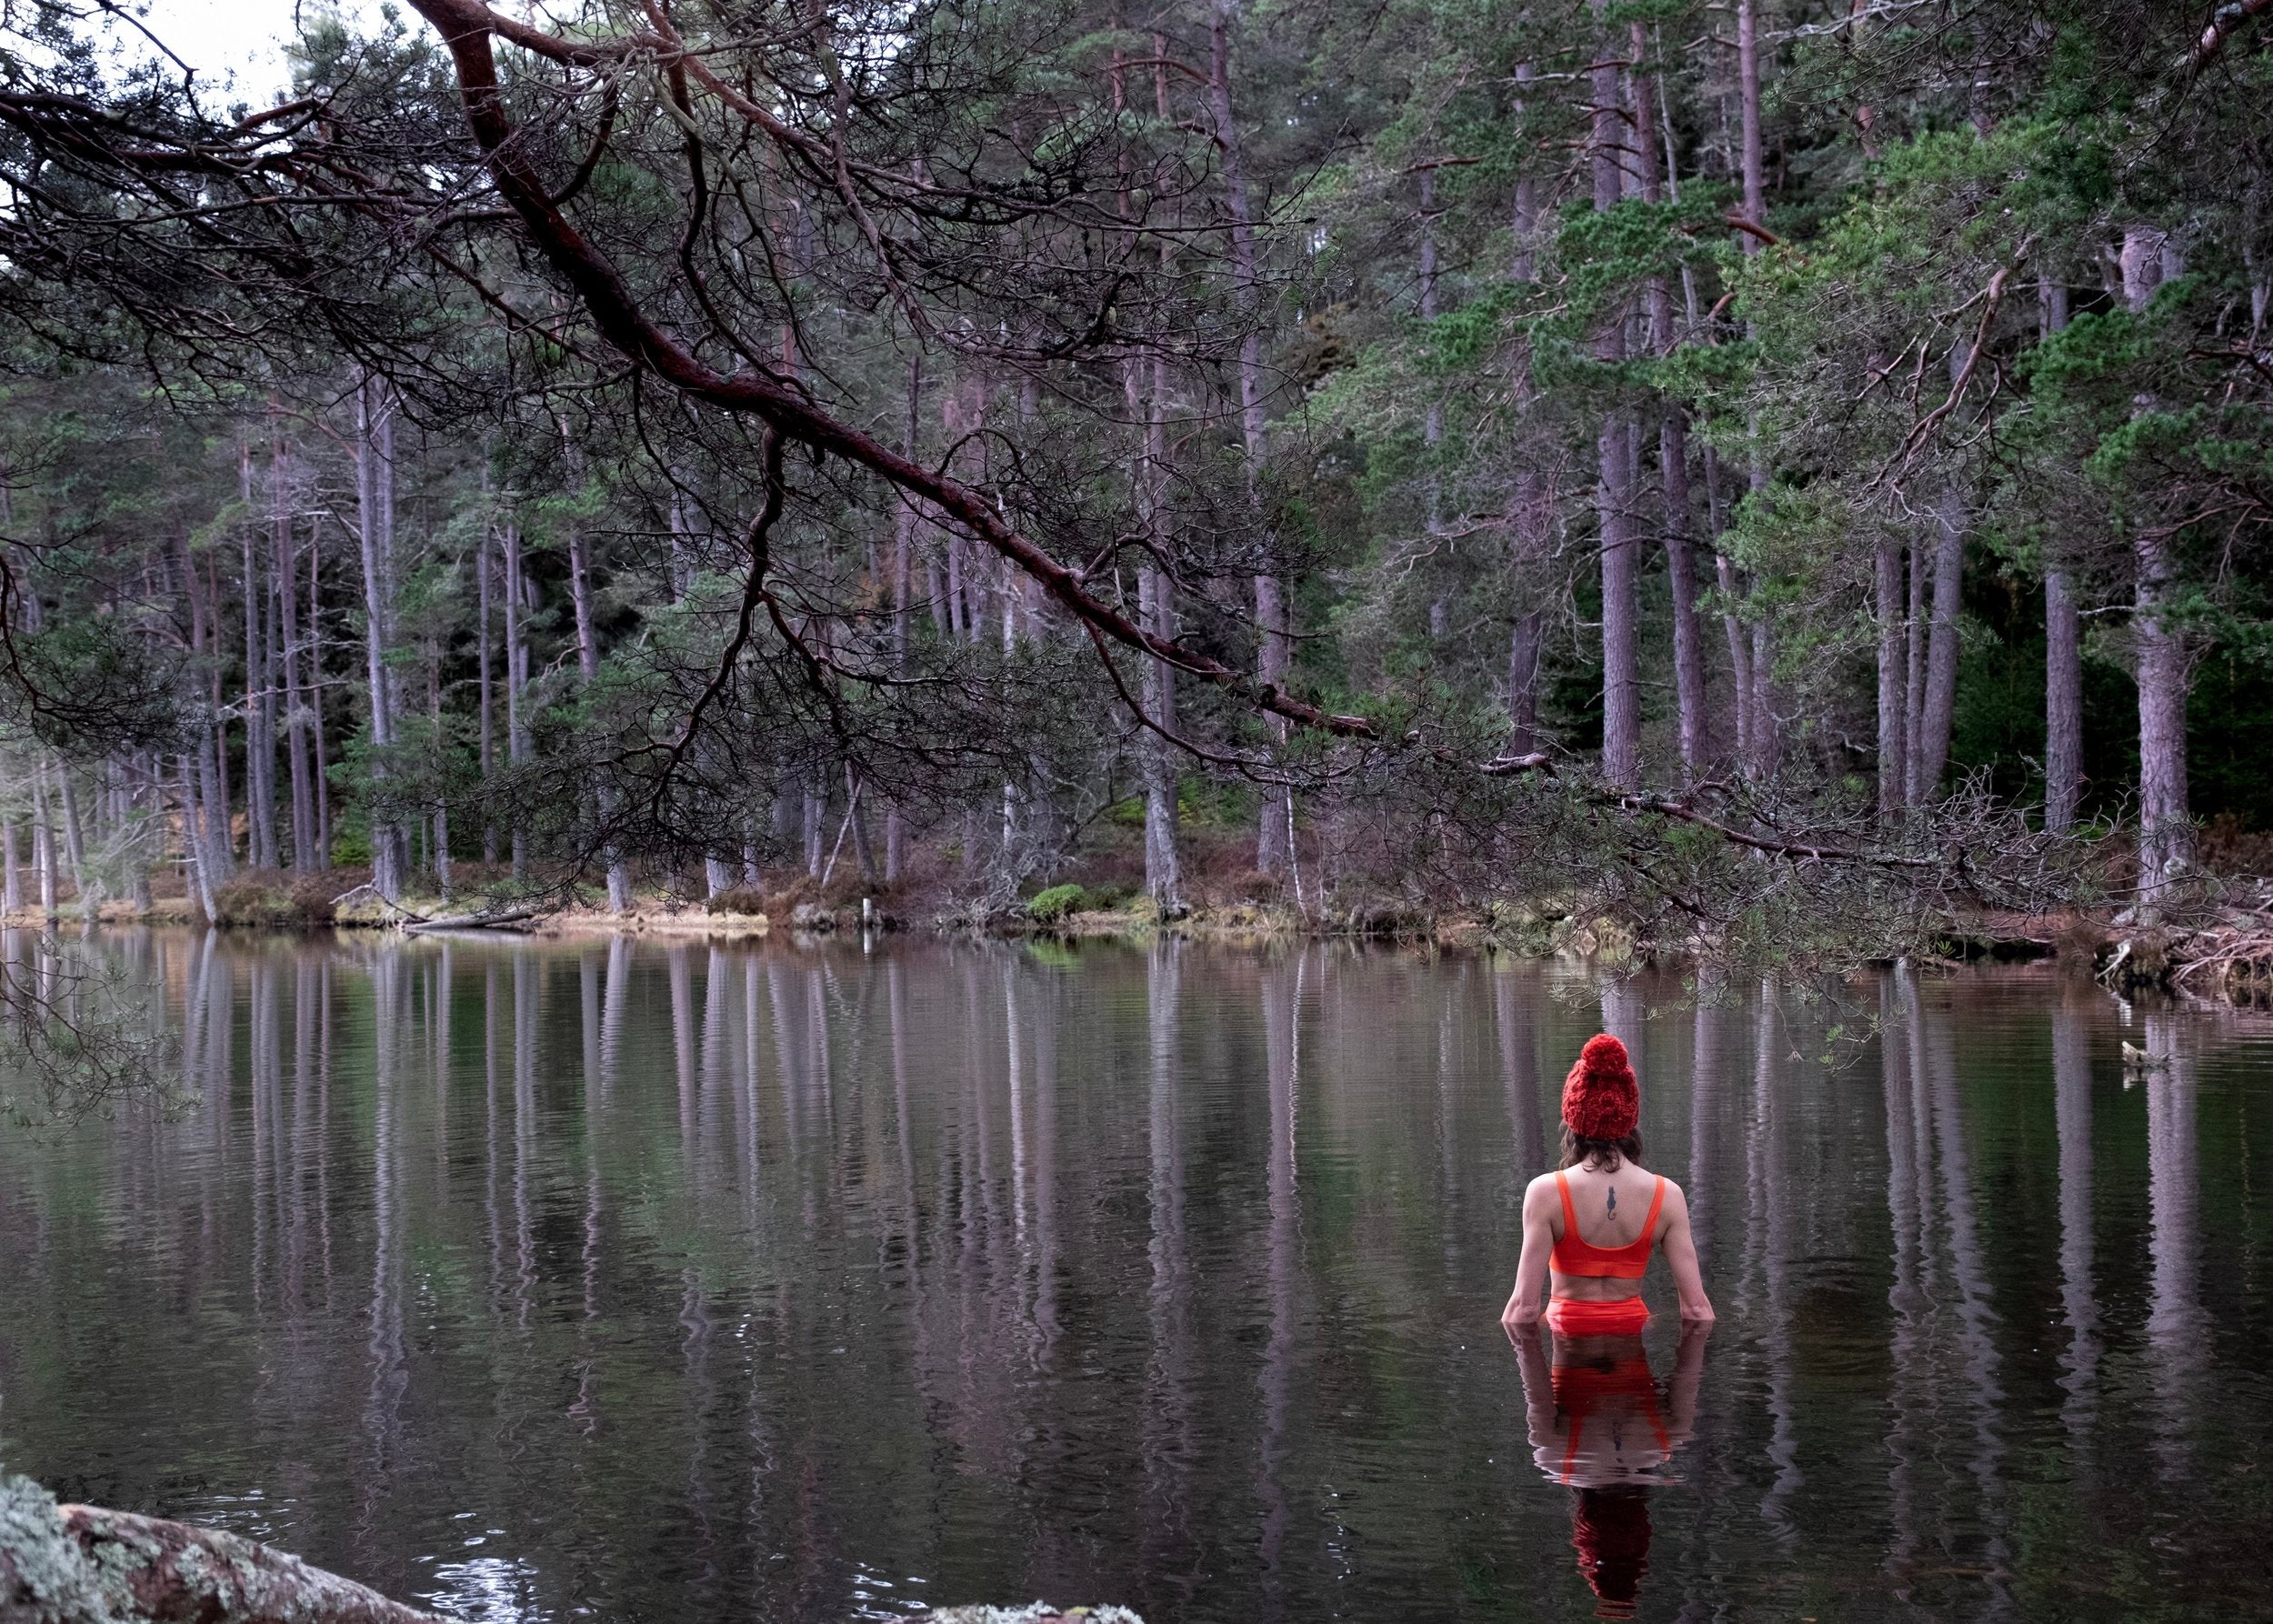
[(1601, 1099)]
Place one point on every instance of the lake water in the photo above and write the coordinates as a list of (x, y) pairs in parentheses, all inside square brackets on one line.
[(784, 1283)]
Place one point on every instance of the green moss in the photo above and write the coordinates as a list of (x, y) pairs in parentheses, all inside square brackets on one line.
[(1053, 905)]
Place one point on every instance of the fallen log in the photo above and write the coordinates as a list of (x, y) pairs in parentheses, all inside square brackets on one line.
[(500, 920), (1033, 1612), (63, 1564)]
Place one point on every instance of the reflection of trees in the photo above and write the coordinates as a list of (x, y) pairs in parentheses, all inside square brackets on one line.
[(1911, 1397), (588, 1365), (523, 1137), (1932, 1047), (1519, 1074), (2071, 1095), (1622, 1018), (1768, 1240), (381, 1421), (1282, 992), (1938, 1246), (2175, 1326), (683, 1045), (1168, 1442), (664, 1358), (1705, 1064)]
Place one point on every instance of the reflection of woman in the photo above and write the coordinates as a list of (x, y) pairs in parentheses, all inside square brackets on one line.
[(1596, 1424), (1593, 1224)]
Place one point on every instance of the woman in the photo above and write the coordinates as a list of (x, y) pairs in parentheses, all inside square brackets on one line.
[(1591, 1226)]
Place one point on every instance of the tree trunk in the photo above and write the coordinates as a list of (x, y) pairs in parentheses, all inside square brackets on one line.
[(487, 691), (374, 424), (1433, 422), (2166, 836), (1155, 608), (1523, 265), (223, 827), (219, 853), (1914, 668), (2063, 653), (2063, 705), (1523, 682), (209, 824), (588, 669), (1764, 745), (143, 775), (43, 843), (1894, 699), (438, 836), (1274, 648), (1621, 695), (863, 850), (1941, 659), (1673, 450), (517, 675), (2166, 830), (1753, 161), (262, 848), (87, 888), (11, 875), (1732, 626), (322, 787), (281, 563), (903, 602), (1688, 640), (194, 846)]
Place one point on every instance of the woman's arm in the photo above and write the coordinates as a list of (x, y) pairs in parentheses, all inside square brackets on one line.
[(1680, 1247), (1538, 1240)]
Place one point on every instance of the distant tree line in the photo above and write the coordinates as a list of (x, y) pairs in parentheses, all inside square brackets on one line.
[(1762, 468)]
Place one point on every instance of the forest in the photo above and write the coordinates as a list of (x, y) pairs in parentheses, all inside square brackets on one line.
[(1768, 472)]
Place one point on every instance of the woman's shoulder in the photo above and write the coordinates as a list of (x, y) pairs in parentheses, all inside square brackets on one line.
[(1672, 1188)]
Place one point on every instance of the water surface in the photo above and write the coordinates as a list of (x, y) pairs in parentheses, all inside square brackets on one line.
[(780, 1283)]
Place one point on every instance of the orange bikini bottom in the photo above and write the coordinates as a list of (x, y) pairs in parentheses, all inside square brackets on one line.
[(1571, 1317)]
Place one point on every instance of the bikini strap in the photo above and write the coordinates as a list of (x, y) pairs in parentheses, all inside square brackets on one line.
[(1570, 1213), (1657, 1204)]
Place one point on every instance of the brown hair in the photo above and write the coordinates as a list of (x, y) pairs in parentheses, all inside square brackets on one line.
[(1602, 1154)]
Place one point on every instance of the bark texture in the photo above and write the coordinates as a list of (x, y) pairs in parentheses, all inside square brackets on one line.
[(374, 423), (2063, 657), (1621, 694), (1274, 846), (2166, 833), (1893, 681)]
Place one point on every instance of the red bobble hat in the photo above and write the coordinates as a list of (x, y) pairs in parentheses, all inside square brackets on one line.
[(1601, 1100)]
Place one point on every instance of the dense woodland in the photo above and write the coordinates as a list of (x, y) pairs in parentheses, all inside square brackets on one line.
[(1748, 469)]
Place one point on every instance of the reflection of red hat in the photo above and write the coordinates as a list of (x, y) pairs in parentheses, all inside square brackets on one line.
[(1609, 1530), (1601, 1099)]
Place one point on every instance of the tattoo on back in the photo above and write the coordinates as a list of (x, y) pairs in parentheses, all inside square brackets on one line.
[(1613, 1208)]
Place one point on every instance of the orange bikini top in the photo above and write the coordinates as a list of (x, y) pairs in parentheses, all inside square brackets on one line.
[(1575, 1256)]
